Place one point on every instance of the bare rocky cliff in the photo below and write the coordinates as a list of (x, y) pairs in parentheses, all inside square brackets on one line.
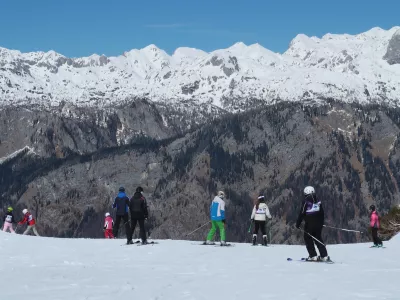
[(348, 152)]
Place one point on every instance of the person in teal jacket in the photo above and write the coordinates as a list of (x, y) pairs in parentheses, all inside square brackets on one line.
[(217, 212)]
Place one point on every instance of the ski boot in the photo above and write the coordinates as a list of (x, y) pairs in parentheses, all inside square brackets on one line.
[(314, 258), (325, 259), (254, 239), (223, 243), (208, 243), (265, 243), (130, 242)]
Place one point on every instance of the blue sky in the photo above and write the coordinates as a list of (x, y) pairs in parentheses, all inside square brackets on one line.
[(80, 28)]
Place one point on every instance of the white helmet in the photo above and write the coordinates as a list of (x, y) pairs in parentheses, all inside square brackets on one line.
[(221, 194), (309, 190), (24, 211), (107, 214)]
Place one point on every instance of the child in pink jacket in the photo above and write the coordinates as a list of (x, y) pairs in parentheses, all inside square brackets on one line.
[(374, 223), (108, 227)]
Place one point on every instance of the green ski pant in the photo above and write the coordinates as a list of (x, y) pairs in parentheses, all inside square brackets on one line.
[(214, 225)]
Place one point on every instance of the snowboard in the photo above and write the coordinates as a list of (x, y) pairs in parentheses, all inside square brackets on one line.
[(303, 259), (377, 247)]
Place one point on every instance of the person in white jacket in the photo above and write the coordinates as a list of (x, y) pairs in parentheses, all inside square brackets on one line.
[(259, 217)]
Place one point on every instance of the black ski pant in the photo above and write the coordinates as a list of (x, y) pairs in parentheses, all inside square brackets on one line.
[(259, 225), (315, 232), (375, 238), (125, 218), (134, 221)]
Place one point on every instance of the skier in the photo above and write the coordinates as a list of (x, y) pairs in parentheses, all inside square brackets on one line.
[(139, 213), (121, 204), (9, 220), (313, 215), (375, 225), (108, 226), (28, 218), (217, 211), (259, 216)]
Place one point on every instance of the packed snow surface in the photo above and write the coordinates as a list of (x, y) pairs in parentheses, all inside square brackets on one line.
[(85, 269), (364, 68)]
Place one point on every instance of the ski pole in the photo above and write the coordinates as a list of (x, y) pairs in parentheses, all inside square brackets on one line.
[(198, 228), (349, 230), (313, 237), (269, 230), (251, 224)]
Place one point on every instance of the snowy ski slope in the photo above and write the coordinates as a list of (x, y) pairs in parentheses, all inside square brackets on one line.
[(82, 269)]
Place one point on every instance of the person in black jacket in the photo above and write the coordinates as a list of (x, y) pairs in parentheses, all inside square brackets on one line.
[(139, 213), (313, 215), (121, 204)]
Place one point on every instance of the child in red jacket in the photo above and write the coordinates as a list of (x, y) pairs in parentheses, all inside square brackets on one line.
[(374, 223), (28, 218), (108, 227)]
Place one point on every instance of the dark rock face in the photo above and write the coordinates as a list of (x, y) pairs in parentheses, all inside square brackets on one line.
[(349, 153), (392, 55), (68, 129)]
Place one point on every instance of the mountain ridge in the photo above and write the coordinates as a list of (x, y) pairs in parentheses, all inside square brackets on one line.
[(351, 68)]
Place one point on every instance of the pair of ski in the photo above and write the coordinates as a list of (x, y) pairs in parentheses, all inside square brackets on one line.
[(303, 259), (217, 245), (139, 243)]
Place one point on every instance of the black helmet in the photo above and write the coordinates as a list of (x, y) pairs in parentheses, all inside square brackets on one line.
[(372, 207), (121, 189), (139, 189), (261, 198)]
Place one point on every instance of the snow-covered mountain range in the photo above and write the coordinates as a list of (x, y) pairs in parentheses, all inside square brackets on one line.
[(363, 68)]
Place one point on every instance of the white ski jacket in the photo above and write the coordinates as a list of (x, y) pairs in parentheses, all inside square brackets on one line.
[(262, 213)]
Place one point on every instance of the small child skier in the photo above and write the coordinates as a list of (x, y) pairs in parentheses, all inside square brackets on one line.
[(108, 226), (9, 220), (259, 217), (28, 218), (375, 225)]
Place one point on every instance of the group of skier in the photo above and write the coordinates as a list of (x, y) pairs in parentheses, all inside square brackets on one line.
[(9, 220), (312, 213), (137, 206)]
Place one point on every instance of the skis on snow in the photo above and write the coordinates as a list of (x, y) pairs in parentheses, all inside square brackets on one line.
[(216, 244), (303, 259), (148, 243), (139, 243)]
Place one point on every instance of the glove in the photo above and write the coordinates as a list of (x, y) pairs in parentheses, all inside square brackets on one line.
[(223, 221), (252, 220)]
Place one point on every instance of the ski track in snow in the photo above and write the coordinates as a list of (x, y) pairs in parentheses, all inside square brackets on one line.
[(87, 269)]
